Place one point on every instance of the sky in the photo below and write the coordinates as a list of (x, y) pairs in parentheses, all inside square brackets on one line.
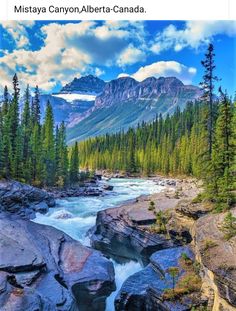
[(51, 53)]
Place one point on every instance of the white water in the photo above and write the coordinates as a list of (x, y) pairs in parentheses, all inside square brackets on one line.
[(81, 213)]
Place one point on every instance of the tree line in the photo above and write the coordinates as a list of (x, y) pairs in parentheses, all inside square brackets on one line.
[(32, 151), (198, 141)]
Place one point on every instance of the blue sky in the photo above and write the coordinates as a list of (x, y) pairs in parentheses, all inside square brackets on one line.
[(50, 54)]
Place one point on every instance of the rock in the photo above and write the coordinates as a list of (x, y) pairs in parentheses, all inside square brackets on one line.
[(108, 187), (118, 233), (192, 210), (24, 200), (41, 268), (218, 258), (88, 190), (144, 290), (62, 215)]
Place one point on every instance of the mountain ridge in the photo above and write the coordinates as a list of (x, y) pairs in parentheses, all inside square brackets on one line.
[(126, 102)]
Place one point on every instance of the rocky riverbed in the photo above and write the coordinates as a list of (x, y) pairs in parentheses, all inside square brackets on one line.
[(42, 268), (133, 232), (176, 239)]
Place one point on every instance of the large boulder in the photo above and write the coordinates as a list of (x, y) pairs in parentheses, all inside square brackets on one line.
[(121, 239), (127, 232), (24, 200), (145, 290), (42, 268)]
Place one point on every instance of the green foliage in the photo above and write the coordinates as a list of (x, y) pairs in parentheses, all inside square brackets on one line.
[(173, 272), (189, 281), (208, 244), (30, 151), (74, 164), (185, 257), (161, 221), (170, 146), (229, 226), (151, 206)]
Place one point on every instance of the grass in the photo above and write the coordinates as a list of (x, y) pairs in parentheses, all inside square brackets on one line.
[(229, 226), (188, 283), (208, 244)]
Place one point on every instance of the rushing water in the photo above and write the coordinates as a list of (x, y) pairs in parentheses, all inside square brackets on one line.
[(75, 216)]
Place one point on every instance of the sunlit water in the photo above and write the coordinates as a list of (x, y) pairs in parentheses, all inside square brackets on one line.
[(75, 216)]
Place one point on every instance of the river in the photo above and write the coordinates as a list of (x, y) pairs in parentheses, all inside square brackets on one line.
[(75, 216)]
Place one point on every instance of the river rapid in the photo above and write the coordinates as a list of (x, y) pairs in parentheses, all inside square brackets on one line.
[(75, 216)]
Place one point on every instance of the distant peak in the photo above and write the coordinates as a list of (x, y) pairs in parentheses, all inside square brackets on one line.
[(85, 84)]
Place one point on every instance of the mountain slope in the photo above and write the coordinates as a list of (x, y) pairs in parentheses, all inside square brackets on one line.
[(125, 102)]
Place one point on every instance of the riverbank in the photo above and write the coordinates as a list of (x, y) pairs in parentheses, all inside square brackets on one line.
[(43, 268), (126, 229), (141, 230)]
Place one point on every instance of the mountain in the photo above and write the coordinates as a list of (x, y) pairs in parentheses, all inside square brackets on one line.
[(91, 107), (74, 99), (126, 102), (84, 85)]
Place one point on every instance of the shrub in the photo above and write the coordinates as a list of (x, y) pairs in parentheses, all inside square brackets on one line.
[(207, 244), (161, 221), (151, 206), (229, 226)]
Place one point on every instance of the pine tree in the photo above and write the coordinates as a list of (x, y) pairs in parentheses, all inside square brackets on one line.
[(48, 147), (35, 108), (61, 156), (5, 105), (208, 85), (14, 131), (74, 164), (224, 151), (26, 136)]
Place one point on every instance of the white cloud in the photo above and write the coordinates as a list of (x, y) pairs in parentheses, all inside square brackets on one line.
[(130, 55), (17, 29), (164, 69), (193, 35), (69, 50)]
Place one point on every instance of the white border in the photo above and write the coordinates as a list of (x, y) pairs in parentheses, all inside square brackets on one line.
[(155, 10)]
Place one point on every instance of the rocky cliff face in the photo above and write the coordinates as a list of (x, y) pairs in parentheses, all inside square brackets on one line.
[(218, 258), (88, 85), (171, 90)]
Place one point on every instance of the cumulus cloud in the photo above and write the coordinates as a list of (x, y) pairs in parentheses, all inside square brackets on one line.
[(70, 50), (74, 49), (130, 55), (18, 31), (164, 69), (193, 35)]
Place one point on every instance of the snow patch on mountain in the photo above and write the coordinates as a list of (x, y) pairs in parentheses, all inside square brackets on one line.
[(75, 96)]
